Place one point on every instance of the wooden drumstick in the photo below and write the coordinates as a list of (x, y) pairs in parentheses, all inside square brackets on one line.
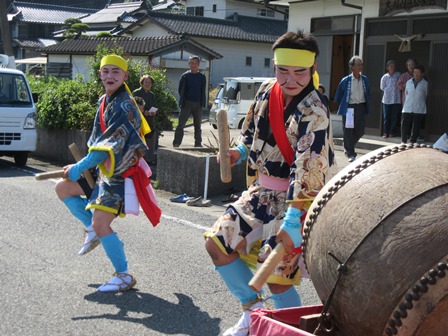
[(261, 276), (224, 138), (77, 155), (49, 175)]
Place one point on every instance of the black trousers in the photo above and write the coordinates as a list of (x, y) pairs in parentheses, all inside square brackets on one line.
[(411, 121), (352, 135), (190, 108)]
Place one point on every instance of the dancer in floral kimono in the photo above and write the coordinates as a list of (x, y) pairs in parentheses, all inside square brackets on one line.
[(116, 147), (288, 143)]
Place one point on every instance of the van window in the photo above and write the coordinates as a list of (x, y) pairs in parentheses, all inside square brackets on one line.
[(231, 91), (236, 91), (13, 90)]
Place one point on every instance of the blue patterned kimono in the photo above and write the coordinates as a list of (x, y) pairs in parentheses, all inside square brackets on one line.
[(124, 145)]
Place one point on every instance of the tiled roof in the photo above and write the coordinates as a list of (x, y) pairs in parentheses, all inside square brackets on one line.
[(35, 43), (41, 13), (115, 12), (238, 27), (141, 46)]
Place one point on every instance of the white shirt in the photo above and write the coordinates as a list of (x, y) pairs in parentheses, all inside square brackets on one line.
[(357, 91)]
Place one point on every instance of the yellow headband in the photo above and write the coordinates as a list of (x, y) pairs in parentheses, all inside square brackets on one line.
[(114, 60), (294, 57)]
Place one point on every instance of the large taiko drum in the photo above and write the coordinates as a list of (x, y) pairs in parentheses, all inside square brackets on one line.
[(376, 244)]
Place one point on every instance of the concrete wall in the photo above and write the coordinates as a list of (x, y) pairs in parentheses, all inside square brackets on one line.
[(53, 145), (178, 171), (183, 171)]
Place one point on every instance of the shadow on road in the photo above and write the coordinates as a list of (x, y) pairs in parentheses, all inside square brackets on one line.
[(161, 315)]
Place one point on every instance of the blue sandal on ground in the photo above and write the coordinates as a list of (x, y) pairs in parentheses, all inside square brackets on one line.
[(180, 198)]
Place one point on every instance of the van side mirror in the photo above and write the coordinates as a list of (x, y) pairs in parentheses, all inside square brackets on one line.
[(35, 97)]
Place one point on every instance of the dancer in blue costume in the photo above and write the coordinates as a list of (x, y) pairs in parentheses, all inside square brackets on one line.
[(115, 147)]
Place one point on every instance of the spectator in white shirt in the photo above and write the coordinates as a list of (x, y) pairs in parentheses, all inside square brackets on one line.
[(414, 108), (391, 99)]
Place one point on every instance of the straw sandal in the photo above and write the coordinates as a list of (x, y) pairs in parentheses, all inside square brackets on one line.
[(89, 245), (118, 283)]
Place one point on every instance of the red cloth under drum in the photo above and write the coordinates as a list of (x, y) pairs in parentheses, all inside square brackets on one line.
[(283, 322)]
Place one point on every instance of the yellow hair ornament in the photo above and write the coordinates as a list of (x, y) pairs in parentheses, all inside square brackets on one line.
[(114, 60), (316, 79), (294, 57), (144, 127)]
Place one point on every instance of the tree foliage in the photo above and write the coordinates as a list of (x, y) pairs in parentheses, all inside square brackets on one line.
[(74, 28)]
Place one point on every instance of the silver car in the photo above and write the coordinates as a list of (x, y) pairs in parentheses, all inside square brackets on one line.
[(216, 106)]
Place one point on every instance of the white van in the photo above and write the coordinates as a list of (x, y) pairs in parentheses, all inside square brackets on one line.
[(238, 95), (18, 135)]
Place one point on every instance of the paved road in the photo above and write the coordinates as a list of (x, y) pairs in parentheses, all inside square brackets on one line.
[(48, 290)]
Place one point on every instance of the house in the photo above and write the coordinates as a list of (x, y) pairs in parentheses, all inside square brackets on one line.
[(235, 46), (32, 25), (243, 41), (222, 9), (379, 30), (115, 17), (241, 31), (70, 58)]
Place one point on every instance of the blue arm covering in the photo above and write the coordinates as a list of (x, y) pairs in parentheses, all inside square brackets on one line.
[(243, 150), (90, 160), (291, 224)]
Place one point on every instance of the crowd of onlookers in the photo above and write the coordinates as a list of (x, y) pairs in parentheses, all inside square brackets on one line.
[(403, 95)]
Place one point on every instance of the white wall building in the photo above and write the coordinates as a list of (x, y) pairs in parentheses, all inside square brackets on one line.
[(377, 30)]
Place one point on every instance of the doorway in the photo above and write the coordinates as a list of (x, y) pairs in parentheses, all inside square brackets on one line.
[(341, 54)]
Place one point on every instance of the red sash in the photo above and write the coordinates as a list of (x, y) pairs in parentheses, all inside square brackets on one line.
[(276, 119), (102, 122), (141, 181)]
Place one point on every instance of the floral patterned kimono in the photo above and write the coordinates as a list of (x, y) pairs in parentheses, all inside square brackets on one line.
[(258, 213)]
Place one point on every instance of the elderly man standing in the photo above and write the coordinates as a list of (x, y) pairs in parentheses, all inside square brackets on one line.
[(353, 96), (192, 87)]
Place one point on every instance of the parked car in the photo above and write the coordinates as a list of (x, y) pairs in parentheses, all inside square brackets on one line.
[(237, 96), (216, 106), (18, 134)]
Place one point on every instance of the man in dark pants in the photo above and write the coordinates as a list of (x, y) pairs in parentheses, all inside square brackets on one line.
[(191, 100), (353, 94)]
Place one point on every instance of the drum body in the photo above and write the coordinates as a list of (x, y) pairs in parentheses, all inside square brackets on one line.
[(381, 226)]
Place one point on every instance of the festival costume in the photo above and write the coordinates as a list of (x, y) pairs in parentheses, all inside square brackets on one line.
[(116, 145), (308, 133), (258, 214), (290, 157)]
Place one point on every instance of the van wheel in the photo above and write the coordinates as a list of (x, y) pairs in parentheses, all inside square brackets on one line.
[(240, 125), (20, 158)]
